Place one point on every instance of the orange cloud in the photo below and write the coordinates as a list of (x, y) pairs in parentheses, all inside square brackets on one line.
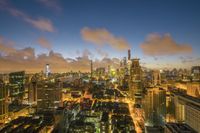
[(5, 46), (157, 45), (12, 59), (44, 43), (103, 37)]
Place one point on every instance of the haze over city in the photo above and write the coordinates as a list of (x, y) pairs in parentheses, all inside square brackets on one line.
[(68, 34)]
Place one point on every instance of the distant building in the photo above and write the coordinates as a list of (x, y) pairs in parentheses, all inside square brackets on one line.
[(156, 78), (195, 73), (47, 70), (129, 54), (129, 62), (124, 61), (100, 72)]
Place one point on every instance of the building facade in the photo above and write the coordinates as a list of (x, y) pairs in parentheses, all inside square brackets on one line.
[(49, 95), (3, 101)]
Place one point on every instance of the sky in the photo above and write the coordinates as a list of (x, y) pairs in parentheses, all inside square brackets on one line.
[(67, 34)]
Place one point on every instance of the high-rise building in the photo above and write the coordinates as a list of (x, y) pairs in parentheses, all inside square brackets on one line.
[(47, 70), (32, 94), (124, 62), (129, 54), (156, 78), (49, 95), (155, 107), (17, 86), (3, 101), (179, 109), (128, 66), (135, 85)]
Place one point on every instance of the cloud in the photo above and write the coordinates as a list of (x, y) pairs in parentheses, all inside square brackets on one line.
[(102, 37), (158, 45), (101, 52), (189, 59), (5, 46), (42, 24), (12, 59), (44, 43), (52, 4), (86, 53)]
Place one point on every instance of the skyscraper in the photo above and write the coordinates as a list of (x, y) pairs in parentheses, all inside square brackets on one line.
[(49, 94), (47, 70), (129, 62), (129, 54), (17, 86), (156, 78), (3, 102), (135, 86), (33, 90), (155, 106)]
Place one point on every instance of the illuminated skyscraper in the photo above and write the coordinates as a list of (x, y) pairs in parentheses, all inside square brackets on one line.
[(156, 78), (33, 90), (135, 86), (155, 106), (47, 70), (17, 86), (49, 95), (129, 62)]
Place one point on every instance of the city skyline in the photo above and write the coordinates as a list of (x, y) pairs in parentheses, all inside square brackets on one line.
[(68, 34)]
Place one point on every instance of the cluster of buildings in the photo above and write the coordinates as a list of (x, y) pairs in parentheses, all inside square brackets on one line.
[(104, 100)]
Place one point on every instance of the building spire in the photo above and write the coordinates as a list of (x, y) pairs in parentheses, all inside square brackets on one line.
[(129, 54)]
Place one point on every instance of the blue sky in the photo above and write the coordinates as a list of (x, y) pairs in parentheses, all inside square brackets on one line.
[(132, 20)]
